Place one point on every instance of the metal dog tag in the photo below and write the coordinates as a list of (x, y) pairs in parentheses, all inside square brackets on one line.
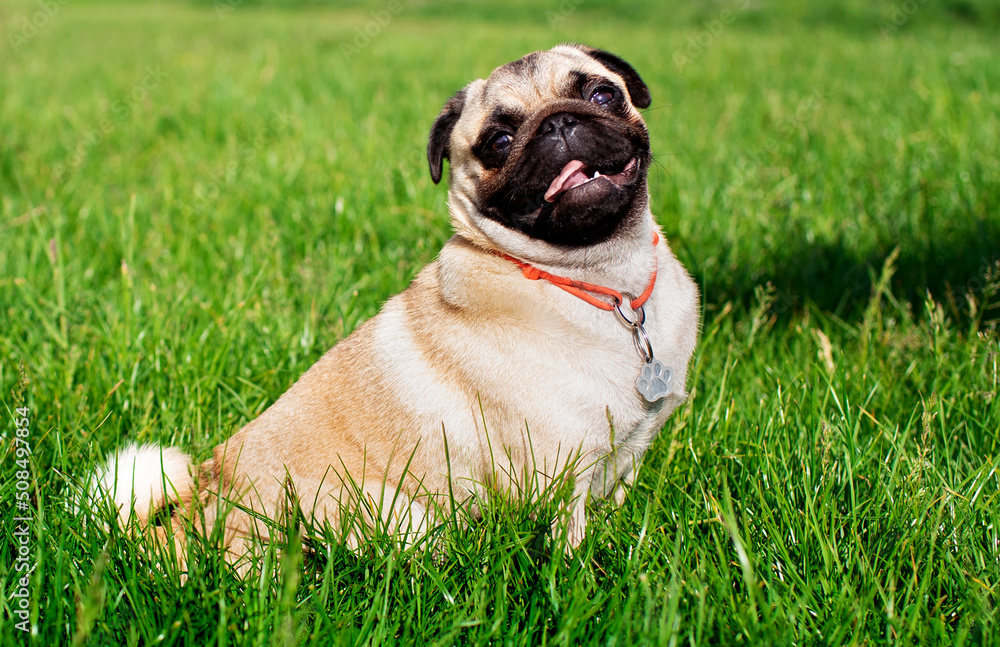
[(654, 380)]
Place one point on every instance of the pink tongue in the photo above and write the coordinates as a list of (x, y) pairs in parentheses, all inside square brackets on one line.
[(569, 177)]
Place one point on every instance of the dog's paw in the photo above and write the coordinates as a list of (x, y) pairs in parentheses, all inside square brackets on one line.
[(654, 380)]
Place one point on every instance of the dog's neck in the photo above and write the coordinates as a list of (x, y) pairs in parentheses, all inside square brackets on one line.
[(624, 262)]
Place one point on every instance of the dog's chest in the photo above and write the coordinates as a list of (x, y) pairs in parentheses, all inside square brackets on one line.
[(586, 362), (532, 358)]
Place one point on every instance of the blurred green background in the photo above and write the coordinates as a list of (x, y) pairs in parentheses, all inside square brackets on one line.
[(798, 143)]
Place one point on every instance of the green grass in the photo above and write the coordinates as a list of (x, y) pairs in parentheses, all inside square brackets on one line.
[(835, 191)]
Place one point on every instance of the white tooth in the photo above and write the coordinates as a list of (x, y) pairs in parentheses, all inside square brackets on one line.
[(597, 174)]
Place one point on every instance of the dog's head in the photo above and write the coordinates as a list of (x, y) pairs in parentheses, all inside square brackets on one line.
[(551, 146)]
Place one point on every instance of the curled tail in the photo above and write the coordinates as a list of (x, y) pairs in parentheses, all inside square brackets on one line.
[(141, 480)]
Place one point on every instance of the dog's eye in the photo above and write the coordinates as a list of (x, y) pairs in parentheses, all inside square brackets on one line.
[(602, 96), (500, 141)]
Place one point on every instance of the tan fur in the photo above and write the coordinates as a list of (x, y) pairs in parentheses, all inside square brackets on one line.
[(518, 377)]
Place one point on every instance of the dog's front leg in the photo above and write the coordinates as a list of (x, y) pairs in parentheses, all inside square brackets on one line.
[(576, 527), (623, 486)]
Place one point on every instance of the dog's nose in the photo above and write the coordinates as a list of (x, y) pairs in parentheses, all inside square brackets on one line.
[(559, 124)]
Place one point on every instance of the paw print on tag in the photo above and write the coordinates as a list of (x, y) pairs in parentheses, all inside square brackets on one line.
[(654, 380)]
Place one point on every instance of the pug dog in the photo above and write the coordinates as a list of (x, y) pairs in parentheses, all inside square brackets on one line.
[(551, 336)]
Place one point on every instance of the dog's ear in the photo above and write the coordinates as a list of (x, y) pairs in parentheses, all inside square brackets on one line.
[(637, 90), (437, 146)]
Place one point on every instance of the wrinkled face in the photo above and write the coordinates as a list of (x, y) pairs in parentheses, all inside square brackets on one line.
[(551, 145)]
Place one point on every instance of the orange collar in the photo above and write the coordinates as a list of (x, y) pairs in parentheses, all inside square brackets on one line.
[(580, 289)]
